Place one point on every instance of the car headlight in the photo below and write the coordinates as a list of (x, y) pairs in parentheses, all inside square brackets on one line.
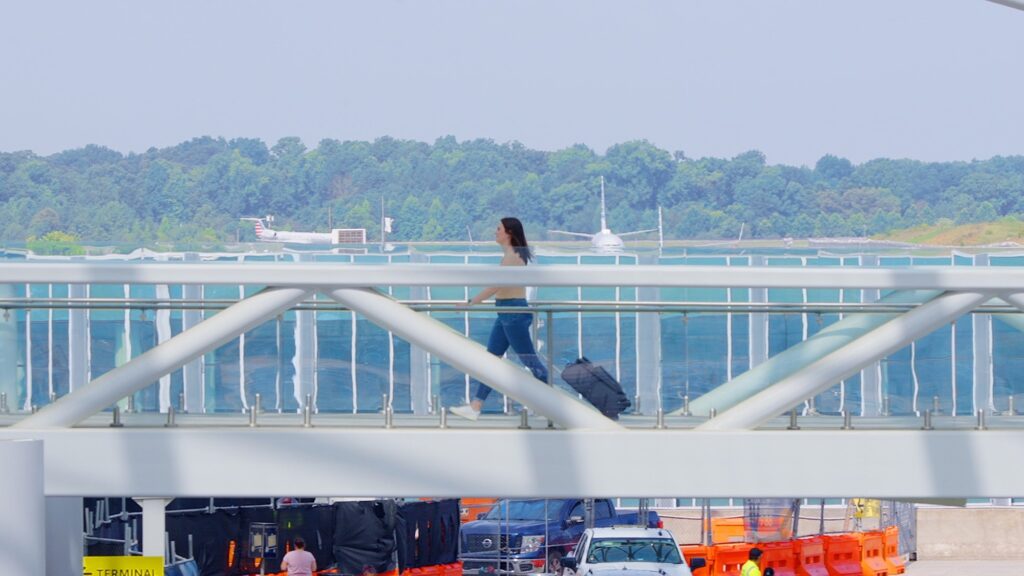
[(531, 544)]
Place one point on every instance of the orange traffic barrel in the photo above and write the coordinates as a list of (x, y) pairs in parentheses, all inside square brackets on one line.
[(810, 556), (778, 556), (891, 543), (729, 558), (842, 555), (872, 554)]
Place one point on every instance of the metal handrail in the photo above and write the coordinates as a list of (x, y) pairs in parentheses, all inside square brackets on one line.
[(537, 306)]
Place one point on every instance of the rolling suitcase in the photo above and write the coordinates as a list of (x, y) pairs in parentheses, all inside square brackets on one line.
[(597, 387)]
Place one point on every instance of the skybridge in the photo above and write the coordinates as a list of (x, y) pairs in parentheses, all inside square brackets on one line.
[(555, 443), (767, 415)]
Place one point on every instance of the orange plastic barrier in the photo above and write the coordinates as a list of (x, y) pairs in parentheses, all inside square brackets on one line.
[(691, 551), (729, 558), (727, 530), (810, 557), (842, 555), (872, 556), (424, 571), (778, 556), (891, 542)]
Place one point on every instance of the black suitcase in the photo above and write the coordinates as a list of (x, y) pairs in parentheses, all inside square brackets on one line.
[(597, 387)]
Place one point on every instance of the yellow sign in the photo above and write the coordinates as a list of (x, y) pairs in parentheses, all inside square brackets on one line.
[(122, 566), (865, 507)]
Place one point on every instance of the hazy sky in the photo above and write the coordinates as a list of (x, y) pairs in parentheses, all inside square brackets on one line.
[(796, 79)]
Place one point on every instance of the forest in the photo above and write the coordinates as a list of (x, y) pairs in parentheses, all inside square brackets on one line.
[(194, 194)]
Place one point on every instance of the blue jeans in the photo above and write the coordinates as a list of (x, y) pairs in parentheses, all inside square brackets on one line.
[(513, 329)]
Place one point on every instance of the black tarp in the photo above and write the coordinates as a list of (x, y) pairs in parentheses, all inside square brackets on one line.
[(355, 537)]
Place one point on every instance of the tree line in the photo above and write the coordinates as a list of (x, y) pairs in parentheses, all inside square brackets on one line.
[(193, 194)]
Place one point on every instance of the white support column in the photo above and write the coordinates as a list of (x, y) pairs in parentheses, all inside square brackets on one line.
[(63, 534), (9, 349), (192, 373), (758, 323), (154, 524), (419, 369), (162, 323), (304, 360), (870, 375), (419, 361), (78, 340), (982, 352), (846, 361), (472, 358), (22, 508), (163, 359), (789, 361), (648, 354)]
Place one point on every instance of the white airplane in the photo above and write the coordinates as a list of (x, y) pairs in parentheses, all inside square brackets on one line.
[(605, 240), (265, 234)]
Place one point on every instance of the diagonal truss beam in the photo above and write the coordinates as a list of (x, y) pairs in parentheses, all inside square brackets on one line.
[(165, 358), (846, 361), (473, 359), (1017, 299), (799, 356)]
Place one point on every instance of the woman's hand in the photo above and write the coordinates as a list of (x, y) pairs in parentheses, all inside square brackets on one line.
[(465, 304)]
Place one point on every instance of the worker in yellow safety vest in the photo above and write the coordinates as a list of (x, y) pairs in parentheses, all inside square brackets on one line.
[(750, 567)]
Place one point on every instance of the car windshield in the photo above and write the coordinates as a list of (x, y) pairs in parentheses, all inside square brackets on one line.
[(661, 550), (522, 510)]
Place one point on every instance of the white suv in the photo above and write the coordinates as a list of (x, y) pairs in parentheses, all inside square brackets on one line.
[(628, 551)]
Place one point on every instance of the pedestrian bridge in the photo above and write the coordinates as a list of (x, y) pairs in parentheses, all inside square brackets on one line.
[(757, 434)]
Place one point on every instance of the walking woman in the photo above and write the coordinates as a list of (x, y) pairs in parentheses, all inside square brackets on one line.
[(511, 328)]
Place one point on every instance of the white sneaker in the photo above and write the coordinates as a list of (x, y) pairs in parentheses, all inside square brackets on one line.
[(466, 411)]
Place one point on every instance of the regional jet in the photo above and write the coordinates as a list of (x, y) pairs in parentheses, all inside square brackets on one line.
[(605, 240)]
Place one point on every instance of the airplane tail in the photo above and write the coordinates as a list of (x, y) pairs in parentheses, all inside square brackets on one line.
[(604, 219), (258, 226)]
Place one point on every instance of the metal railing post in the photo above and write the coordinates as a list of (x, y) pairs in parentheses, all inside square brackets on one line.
[(307, 412), (116, 423)]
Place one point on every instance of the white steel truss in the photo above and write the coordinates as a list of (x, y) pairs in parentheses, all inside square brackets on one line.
[(591, 456)]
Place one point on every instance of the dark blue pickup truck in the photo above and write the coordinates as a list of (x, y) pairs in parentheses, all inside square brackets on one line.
[(531, 536)]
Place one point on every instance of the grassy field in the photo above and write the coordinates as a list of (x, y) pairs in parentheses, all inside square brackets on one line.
[(948, 234)]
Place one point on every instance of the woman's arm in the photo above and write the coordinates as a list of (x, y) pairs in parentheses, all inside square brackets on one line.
[(509, 259)]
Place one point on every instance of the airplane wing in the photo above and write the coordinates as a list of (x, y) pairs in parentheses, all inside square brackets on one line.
[(620, 235), (581, 235)]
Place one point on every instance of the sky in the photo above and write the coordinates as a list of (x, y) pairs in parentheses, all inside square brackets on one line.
[(932, 80)]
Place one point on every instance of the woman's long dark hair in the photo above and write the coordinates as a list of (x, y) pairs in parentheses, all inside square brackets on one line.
[(514, 229)]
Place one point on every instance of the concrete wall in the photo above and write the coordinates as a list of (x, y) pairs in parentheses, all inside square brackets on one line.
[(970, 534)]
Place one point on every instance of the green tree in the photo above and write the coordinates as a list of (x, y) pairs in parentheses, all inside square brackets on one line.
[(411, 218), (432, 228), (641, 171), (833, 168), (44, 221), (55, 243)]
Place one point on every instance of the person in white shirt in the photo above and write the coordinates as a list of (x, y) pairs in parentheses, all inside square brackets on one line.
[(299, 562)]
